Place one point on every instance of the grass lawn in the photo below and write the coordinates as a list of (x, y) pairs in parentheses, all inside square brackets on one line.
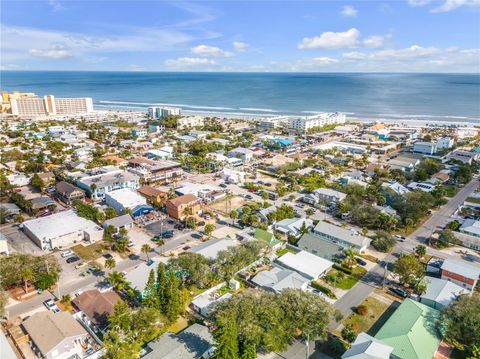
[(285, 250), (178, 326), (378, 313), (344, 281), (90, 252), (450, 191)]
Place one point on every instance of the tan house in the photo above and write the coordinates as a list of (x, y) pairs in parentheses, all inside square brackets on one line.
[(177, 207), (153, 195), (94, 307), (56, 335), (48, 178)]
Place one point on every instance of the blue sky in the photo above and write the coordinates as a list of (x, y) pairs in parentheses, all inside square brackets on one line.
[(404, 36)]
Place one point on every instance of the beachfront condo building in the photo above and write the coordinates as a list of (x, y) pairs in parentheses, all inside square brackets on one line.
[(157, 113), (305, 123), (49, 105)]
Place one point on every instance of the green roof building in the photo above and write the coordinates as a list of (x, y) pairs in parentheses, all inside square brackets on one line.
[(412, 331), (267, 237)]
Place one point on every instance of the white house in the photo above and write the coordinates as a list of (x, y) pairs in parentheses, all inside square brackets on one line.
[(427, 148), (349, 238), (125, 199), (243, 153), (293, 226), (367, 347), (307, 264)]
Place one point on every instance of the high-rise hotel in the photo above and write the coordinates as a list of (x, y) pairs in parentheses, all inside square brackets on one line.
[(49, 105)]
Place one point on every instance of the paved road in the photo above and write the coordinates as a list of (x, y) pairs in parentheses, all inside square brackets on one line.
[(441, 217)]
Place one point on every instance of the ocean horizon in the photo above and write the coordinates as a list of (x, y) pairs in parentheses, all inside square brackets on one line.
[(449, 97)]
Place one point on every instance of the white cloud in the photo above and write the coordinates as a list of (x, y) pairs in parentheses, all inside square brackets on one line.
[(341, 40), (240, 46), (55, 52), (210, 51), (188, 62), (349, 11), (20, 41), (448, 5), (374, 41), (325, 60), (414, 51), (331, 40)]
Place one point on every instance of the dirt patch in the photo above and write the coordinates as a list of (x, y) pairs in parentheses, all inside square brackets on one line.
[(223, 207)]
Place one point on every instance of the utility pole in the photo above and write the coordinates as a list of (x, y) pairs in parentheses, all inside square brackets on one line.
[(307, 343)]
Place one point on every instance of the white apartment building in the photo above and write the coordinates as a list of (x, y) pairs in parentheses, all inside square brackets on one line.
[(427, 148), (272, 122), (156, 112), (305, 123), (190, 121), (49, 105), (445, 143)]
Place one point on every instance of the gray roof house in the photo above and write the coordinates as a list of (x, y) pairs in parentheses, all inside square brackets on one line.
[(441, 292), (471, 227), (293, 226), (193, 343), (55, 335), (367, 347), (349, 238), (123, 221), (278, 279)]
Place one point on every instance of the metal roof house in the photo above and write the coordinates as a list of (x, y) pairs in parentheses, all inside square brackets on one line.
[(411, 331)]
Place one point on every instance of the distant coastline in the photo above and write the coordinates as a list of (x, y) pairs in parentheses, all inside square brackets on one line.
[(446, 98)]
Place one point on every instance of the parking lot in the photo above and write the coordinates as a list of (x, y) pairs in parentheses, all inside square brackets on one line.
[(18, 241)]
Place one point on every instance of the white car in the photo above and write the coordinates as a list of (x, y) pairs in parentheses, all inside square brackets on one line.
[(50, 304), (399, 238), (67, 254)]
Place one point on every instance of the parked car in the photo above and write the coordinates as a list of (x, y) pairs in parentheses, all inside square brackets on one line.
[(107, 255), (399, 238), (399, 291), (73, 259), (223, 185), (360, 261), (248, 196), (130, 244), (80, 265), (50, 304), (201, 223), (67, 254)]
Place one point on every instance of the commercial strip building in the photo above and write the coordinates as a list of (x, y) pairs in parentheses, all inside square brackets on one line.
[(49, 105), (305, 123), (61, 229), (162, 171), (125, 200)]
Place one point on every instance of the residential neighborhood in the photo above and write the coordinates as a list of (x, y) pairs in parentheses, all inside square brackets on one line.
[(163, 235)]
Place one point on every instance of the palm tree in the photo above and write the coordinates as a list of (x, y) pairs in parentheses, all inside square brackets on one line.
[(26, 276), (160, 244), (228, 201), (233, 216), (110, 263), (117, 279), (4, 213), (146, 249), (349, 260)]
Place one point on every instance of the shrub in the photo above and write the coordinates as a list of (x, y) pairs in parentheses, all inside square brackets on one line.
[(383, 241), (362, 310), (327, 291), (348, 333), (342, 269)]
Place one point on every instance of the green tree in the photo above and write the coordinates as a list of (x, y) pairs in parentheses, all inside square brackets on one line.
[(226, 339), (461, 323), (117, 279), (4, 213), (161, 285), (110, 213), (172, 305), (4, 297), (146, 249), (110, 263), (420, 251), (26, 274), (37, 182), (196, 268), (409, 269), (349, 261), (383, 241), (209, 228), (233, 215), (248, 351), (191, 222)]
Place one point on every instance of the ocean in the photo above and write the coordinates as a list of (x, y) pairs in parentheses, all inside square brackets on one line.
[(427, 97)]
